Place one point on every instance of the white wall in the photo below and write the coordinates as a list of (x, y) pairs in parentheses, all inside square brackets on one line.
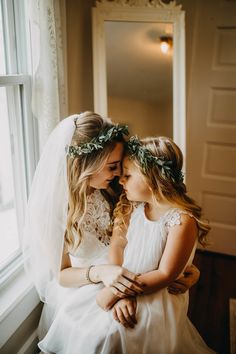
[(143, 118)]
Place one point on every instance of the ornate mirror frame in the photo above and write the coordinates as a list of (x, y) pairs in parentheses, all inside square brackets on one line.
[(141, 11)]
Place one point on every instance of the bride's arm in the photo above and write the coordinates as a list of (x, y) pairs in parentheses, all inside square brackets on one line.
[(120, 279), (186, 281), (72, 277)]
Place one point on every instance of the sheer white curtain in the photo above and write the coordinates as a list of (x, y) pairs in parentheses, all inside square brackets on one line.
[(49, 92)]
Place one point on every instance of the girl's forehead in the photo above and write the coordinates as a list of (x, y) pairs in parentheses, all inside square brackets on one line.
[(131, 166), (128, 163)]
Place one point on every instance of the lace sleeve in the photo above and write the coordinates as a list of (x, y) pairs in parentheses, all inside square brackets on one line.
[(174, 217)]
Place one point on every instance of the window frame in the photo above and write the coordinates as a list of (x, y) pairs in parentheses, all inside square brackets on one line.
[(18, 296), (23, 132)]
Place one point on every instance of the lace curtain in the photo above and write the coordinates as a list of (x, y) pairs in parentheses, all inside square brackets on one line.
[(49, 91)]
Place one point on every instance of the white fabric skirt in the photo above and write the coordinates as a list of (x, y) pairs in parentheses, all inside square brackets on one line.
[(80, 326)]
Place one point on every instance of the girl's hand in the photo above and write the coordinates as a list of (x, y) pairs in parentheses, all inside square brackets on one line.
[(181, 285), (122, 282), (124, 312)]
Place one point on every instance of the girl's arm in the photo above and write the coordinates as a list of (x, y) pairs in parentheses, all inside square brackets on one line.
[(180, 242), (108, 296), (118, 243), (179, 245)]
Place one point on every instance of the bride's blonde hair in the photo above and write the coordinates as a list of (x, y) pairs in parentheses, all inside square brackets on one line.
[(165, 188), (82, 167)]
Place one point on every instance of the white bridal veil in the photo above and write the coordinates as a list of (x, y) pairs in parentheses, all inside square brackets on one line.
[(47, 210)]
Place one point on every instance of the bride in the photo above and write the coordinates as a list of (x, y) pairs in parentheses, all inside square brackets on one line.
[(69, 224)]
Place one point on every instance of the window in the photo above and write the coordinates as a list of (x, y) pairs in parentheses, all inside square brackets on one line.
[(18, 151), (8, 216)]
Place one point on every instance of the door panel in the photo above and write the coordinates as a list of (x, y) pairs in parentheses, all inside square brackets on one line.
[(211, 120)]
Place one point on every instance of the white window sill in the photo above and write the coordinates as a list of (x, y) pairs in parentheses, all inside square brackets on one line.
[(18, 299)]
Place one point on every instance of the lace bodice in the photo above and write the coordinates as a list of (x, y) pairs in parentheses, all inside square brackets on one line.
[(96, 232), (97, 218)]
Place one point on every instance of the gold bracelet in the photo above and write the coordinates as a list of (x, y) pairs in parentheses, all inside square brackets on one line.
[(87, 274)]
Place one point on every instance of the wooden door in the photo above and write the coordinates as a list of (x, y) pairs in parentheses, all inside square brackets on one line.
[(211, 120)]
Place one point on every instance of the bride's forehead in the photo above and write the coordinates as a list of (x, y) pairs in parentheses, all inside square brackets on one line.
[(116, 154)]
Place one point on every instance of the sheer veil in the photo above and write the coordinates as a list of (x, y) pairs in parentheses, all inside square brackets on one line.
[(47, 211)]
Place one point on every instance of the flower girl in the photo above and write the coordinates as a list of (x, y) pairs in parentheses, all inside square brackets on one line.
[(156, 232)]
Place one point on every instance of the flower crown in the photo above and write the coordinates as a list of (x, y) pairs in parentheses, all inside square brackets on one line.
[(97, 142), (146, 160)]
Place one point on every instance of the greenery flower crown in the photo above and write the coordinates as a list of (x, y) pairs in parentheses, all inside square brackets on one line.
[(97, 142), (146, 160)]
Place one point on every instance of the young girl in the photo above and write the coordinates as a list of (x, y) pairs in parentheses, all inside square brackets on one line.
[(69, 224), (164, 225)]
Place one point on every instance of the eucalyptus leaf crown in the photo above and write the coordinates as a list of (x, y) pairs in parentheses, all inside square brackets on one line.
[(97, 142), (146, 160)]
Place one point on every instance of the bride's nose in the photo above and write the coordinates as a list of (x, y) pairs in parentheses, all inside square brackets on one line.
[(117, 171), (121, 180)]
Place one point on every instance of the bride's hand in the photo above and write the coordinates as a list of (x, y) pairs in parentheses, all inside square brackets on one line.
[(189, 278), (121, 281)]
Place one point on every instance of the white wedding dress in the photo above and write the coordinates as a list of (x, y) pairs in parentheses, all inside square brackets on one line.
[(79, 326)]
